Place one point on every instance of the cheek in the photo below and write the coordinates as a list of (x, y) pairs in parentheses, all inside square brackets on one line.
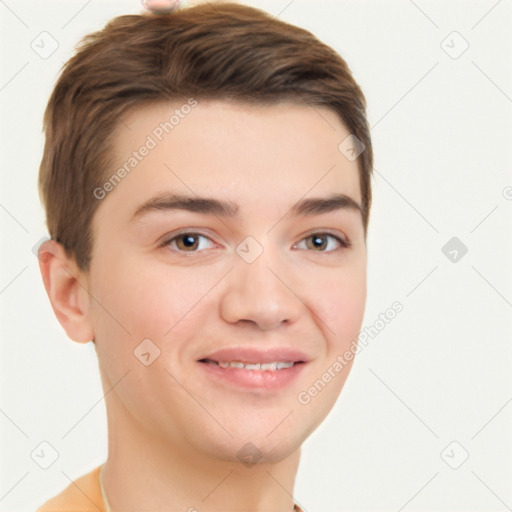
[(339, 305), (338, 311), (147, 301)]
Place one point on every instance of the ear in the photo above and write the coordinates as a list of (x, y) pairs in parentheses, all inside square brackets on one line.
[(66, 286)]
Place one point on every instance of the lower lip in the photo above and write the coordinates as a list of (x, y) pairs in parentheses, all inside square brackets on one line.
[(259, 379)]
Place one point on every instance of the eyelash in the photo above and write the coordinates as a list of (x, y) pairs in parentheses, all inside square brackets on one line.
[(344, 244)]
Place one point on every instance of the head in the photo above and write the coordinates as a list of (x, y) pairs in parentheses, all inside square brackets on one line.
[(241, 121)]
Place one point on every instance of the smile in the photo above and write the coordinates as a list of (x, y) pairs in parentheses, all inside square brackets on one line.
[(272, 366), (265, 377)]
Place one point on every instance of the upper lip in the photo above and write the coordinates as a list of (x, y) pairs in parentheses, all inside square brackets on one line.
[(253, 355)]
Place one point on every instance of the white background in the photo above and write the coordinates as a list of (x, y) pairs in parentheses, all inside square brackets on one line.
[(439, 372)]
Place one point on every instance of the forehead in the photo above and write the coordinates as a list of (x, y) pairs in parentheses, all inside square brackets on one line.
[(261, 156)]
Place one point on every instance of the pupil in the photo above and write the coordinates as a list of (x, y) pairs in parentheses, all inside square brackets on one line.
[(189, 241), (318, 239)]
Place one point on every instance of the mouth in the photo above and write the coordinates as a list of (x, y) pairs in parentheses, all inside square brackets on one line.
[(251, 373), (253, 366)]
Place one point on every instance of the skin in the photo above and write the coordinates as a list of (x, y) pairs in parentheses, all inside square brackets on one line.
[(170, 425)]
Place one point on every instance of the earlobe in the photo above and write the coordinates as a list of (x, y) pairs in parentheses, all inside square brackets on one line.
[(66, 287)]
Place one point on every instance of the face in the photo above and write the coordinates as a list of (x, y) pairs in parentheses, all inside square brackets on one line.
[(264, 269)]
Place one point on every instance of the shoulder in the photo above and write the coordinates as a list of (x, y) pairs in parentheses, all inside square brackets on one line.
[(81, 495)]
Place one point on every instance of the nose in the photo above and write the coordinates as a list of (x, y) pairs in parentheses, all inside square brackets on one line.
[(263, 293)]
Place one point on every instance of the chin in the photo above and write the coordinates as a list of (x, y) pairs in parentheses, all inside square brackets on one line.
[(258, 446)]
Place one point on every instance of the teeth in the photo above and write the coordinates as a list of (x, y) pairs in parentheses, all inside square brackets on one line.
[(256, 366)]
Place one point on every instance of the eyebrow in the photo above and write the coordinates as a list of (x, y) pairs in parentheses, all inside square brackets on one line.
[(223, 208)]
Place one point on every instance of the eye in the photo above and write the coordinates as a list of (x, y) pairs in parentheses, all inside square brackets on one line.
[(186, 242), (320, 243), (191, 242)]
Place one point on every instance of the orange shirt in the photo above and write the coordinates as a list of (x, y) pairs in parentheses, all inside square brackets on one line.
[(84, 495)]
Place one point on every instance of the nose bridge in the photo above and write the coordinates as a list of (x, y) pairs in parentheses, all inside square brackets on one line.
[(257, 265), (258, 290)]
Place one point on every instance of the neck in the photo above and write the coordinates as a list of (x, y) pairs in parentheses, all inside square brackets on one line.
[(157, 473)]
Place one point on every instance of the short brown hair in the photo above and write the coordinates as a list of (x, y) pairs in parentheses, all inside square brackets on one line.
[(221, 51)]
